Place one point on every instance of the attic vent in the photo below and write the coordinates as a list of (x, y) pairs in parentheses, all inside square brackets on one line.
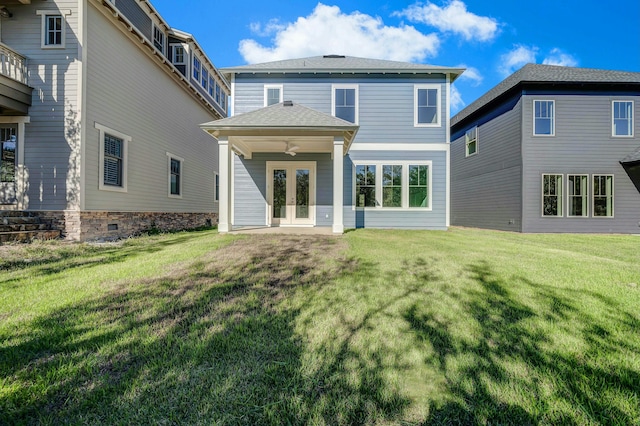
[(333, 56), (287, 103)]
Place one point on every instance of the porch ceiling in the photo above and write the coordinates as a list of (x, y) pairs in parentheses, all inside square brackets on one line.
[(247, 145)]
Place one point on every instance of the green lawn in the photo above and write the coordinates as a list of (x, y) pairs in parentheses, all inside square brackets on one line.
[(375, 327)]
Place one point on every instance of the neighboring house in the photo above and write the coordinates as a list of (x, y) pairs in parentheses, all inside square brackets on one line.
[(550, 149), (335, 141), (100, 104)]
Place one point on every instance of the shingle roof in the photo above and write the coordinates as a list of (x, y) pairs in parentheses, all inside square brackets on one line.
[(632, 158), (338, 63), (538, 73)]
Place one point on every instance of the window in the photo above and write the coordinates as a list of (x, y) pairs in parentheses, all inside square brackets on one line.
[(178, 55), (113, 159), (602, 196), (158, 38), (53, 28), (551, 195), (365, 186), (223, 101), (216, 187), (622, 118), (7, 154), (196, 69), (345, 102), (272, 94), (543, 118), (212, 85), (578, 195), (217, 93), (418, 186), (205, 78), (426, 105), (471, 141), (398, 185), (175, 176)]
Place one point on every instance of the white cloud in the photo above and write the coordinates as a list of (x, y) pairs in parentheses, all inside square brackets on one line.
[(328, 30), (455, 18), (271, 27), (456, 100), (558, 57), (516, 58), (471, 74)]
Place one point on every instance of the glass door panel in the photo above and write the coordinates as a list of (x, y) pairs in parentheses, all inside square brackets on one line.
[(279, 194), (302, 193)]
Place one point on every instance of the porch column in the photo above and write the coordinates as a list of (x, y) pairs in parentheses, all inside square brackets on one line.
[(338, 185), (224, 197)]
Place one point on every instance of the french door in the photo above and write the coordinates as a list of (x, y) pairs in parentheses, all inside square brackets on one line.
[(291, 193), (8, 157)]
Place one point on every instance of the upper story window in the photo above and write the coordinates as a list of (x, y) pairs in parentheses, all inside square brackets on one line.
[(158, 38), (178, 55), (223, 101), (53, 28), (622, 118), (345, 102), (113, 159), (212, 86), (544, 118), (196, 69), (272, 94), (471, 141), (426, 105), (218, 93), (205, 78)]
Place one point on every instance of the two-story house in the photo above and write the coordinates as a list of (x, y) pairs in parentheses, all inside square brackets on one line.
[(550, 149), (335, 141), (100, 107)]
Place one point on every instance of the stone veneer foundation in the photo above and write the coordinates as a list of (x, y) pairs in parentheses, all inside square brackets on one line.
[(91, 226)]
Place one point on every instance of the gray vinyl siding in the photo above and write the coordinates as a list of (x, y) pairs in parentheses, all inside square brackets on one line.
[(582, 145), (486, 187), (383, 218), (250, 188), (386, 104), (142, 101), (134, 13), (52, 144)]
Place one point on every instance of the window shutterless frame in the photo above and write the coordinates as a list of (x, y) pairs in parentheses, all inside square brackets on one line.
[(544, 117), (273, 94), (175, 168), (577, 195), (622, 123), (53, 28), (471, 142), (344, 102), (427, 105), (602, 196), (552, 199)]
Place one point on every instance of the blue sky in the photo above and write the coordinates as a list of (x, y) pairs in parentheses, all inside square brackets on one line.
[(490, 38)]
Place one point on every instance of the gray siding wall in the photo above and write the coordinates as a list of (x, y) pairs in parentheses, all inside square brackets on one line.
[(52, 143), (381, 218), (142, 101), (134, 13), (386, 103), (250, 188), (582, 145), (486, 187)]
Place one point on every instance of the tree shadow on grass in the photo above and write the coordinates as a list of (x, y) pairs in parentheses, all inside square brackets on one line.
[(511, 372), (210, 343)]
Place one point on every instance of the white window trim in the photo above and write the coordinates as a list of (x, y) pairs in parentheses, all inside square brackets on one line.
[(357, 98), (553, 119), (633, 106), (273, 86), (43, 13), (562, 197), (593, 196), (170, 157), (466, 143), (125, 155), (437, 87), (588, 195), (405, 184), (216, 196), (173, 54)]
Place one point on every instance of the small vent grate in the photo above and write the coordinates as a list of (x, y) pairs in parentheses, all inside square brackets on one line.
[(287, 103), (334, 56), (112, 227)]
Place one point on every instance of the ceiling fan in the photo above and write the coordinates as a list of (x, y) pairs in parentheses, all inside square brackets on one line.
[(291, 149)]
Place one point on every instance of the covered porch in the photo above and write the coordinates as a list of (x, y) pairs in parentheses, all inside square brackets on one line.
[(283, 166)]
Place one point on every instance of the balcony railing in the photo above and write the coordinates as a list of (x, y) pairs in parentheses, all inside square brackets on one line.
[(13, 64)]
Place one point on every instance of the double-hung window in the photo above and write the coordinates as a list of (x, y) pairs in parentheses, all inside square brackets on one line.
[(205, 78), (345, 102), (622, 118), (397, 185), (217, 93), (175, 175), (113, 159), (158, 38), (471, 141), (196, 69), (212, 85), (426, 108), (53, 28), (602, 195), (551, 195), (578, 194), (544, 118), (178, 55), (272, 94)]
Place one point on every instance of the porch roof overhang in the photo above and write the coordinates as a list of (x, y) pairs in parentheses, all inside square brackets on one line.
[(273, 128)]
